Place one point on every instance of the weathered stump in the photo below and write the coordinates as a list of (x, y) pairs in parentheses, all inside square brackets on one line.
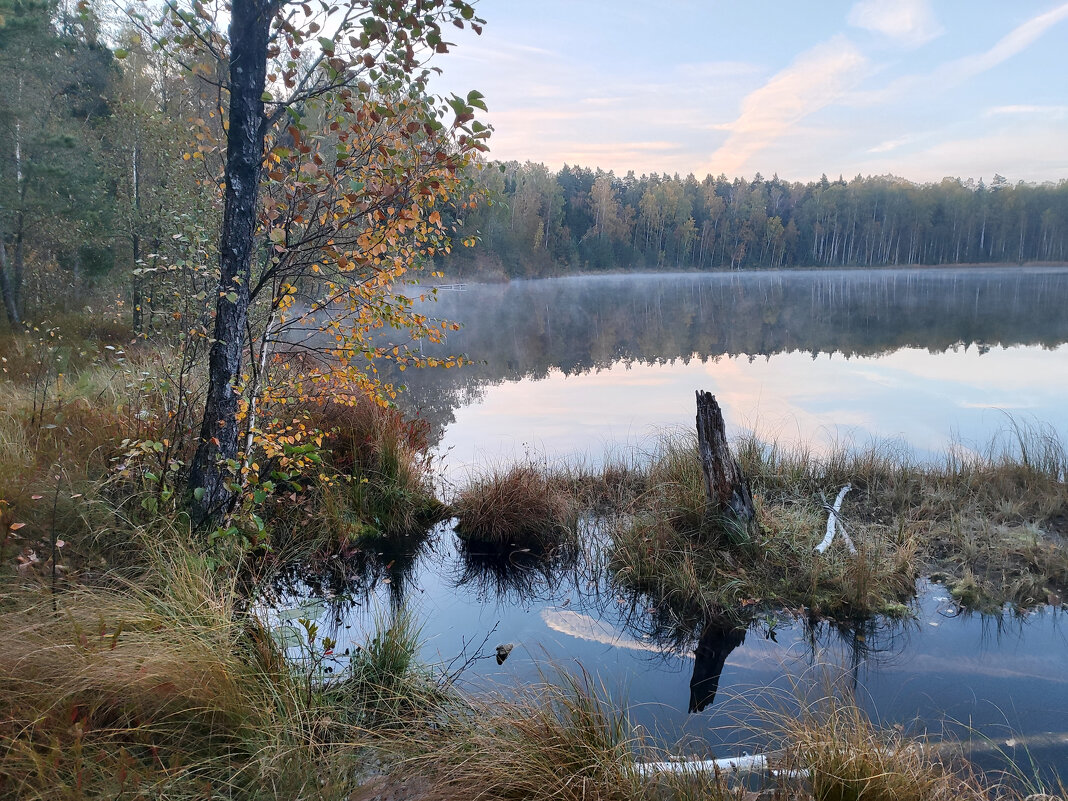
[(727, 489)]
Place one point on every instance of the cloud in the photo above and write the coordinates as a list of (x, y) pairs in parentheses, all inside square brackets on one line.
[(892, 144), (962, 69), (908, 22), (1056, 112), (1023, 153), (816, 78), (585, 627), (1017, 40)]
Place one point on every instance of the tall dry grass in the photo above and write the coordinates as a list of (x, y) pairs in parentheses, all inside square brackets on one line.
[(522, 506), (165, 687), (563, 739), (383, 484), (831, 751)]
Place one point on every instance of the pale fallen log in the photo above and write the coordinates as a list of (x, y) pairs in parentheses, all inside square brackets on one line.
[(746, 763), (834, 524), (739, 765)]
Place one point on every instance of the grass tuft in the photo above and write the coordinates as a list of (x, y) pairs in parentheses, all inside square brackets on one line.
[(522, 507), (833, 743), (562, 740)]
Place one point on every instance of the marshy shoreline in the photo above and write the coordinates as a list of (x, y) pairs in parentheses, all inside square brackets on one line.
[(134, 667)]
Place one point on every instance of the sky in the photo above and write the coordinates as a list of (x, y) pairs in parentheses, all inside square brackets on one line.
[(921, 89)]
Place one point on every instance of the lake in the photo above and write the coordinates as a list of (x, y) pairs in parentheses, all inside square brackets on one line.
[(584, 367)]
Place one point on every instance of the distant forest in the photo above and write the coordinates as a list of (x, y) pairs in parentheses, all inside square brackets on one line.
[(541, 222)]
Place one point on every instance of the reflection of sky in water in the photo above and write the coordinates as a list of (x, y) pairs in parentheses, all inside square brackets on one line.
[(924, 399), (583, 367), (966, 674)]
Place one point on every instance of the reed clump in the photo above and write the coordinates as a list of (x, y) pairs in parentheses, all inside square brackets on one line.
[(523, 506), (667, 547), (380, 483), (833, 752)]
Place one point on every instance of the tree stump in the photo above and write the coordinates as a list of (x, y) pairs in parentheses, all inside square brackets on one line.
[(726, 487)]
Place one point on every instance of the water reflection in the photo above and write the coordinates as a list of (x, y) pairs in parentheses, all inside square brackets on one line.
[(512, 576), (576, 326), (880, 350), (717, 642), (354, 577)]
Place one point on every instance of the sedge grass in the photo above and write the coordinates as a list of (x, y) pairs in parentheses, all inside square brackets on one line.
[(523, 506), (832, 743), (162, 687), (561, 740)]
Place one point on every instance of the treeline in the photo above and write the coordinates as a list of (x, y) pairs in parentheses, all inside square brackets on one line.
[(110, 185), (580, 219), (104, 187)]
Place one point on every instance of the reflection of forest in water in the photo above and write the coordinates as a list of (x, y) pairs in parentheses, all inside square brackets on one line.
[(524, 329)]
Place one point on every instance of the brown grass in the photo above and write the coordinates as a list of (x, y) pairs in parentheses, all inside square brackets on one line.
[(560, 740), (523, 506), (833, 743), (661, 548), (383, 484), (993, 522), (162, 688)]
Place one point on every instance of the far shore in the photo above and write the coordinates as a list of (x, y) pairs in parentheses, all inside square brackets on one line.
[(494, 275)]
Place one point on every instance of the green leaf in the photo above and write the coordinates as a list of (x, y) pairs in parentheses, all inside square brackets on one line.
[(327, 44), (232, 297), (121, 53), (198, 494), (267, 97), (475, 98)]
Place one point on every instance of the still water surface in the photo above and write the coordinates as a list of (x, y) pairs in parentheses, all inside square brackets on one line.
[(581, 367), (578, 366)]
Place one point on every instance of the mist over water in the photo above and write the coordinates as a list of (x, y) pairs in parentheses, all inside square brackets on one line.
[(584, 365)]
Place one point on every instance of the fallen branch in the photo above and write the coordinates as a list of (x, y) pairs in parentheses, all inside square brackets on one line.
[(833, 523), (746, 763)]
